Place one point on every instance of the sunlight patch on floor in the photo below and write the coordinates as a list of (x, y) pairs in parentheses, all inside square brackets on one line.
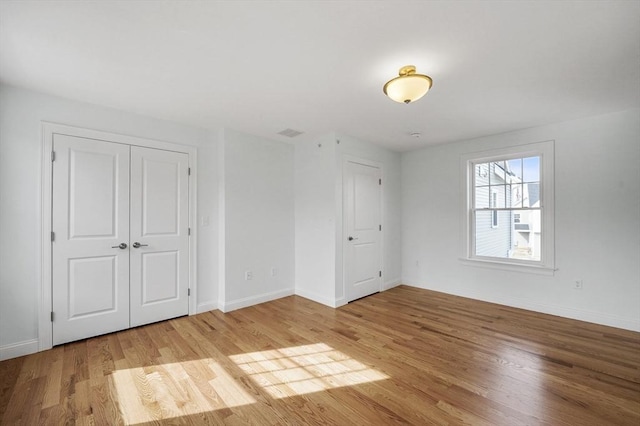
[(304, 369), (175, 389)]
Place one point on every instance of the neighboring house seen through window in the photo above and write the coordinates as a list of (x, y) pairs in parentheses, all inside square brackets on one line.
[(494, 205), (509, 206)]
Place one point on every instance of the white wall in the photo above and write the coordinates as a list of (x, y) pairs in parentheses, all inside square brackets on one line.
[(21, 113), (208, 211), (315, 219), (319, 234), (597, 218), (258, 225)]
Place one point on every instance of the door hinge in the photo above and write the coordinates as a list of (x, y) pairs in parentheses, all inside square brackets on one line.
[(53, 156), (51, 316), (379, 227), (189, 171), (53, 236), (379, 273), (188, 292), (188, 231), (379, 181)]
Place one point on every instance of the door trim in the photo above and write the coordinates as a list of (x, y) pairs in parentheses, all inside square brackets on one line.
[(45, 297), (341, 243)]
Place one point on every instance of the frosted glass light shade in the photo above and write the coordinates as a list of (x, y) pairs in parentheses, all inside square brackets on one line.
[(408, 86)]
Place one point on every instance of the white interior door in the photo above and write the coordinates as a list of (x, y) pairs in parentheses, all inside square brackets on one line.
[(159, 235), (362, 230), (90, 220)]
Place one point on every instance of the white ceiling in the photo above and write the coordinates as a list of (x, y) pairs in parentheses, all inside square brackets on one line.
[(319, 66)]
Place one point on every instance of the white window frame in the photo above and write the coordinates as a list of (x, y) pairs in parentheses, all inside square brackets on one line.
[(545, 150)]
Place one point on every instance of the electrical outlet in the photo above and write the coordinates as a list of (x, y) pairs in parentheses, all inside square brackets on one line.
[(248, 275), (577, 284), (274, 272)]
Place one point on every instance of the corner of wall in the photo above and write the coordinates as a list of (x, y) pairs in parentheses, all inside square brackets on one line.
[(207, 306), (388, 285)]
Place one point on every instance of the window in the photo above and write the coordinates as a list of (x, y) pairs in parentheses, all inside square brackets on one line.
[(509, 206)]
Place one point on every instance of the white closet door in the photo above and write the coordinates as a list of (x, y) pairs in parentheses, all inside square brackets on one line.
[(159, 235), (90, 221)]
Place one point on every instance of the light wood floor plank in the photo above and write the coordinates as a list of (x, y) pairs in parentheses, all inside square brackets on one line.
[(405, 356)]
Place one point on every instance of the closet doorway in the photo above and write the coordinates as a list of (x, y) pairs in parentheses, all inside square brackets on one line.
[(120, 235)]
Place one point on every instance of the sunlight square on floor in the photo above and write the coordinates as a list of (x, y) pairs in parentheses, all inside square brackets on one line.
[(304, 369), (172, 390)]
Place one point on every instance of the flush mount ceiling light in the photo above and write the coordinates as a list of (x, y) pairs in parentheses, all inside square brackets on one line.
[(408, 86)]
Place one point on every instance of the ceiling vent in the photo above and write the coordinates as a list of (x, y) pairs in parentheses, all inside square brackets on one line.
[(290, 133)]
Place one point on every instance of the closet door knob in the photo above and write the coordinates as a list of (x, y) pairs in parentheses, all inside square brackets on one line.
[(138, 245), (121, 246)]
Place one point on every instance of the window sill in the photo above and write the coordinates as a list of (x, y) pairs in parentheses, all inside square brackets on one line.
[(508, 266)]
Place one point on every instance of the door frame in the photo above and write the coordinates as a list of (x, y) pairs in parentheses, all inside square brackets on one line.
[(341, 245), (45, 295)]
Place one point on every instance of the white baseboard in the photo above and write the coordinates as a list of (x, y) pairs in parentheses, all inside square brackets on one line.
[(254, 300), (206, 307), (15, 350), (601, 318), (577, 314)]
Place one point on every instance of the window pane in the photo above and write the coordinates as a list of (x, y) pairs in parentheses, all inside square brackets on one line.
[(497, 175), (515, 195), (481, 175), (499, 196), (482, 197), (491, 240), (515, 167), (516, 236), (526, 236), (531, 194), (531, 169)]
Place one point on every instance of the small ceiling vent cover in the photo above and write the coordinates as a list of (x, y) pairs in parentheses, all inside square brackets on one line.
[(290, 133)]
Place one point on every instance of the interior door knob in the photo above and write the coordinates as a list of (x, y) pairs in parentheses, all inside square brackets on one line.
[(121, 246), (138, 245), (351, 238)]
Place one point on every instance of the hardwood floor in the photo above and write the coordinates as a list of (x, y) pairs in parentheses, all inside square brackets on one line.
[(405, 356)]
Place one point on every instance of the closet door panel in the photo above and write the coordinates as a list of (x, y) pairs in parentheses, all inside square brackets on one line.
[(159, 235), (90, 253)]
